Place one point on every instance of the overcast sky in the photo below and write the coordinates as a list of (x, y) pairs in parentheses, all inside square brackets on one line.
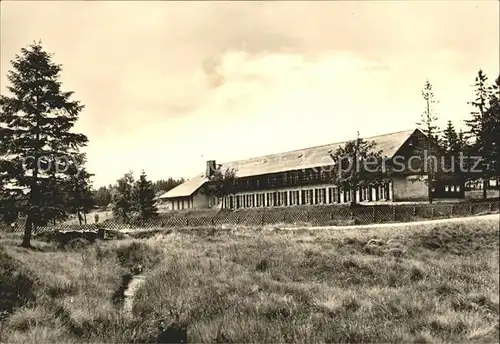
[(169, 85)]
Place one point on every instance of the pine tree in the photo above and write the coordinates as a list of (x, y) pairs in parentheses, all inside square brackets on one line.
[(146, 204), (450, 140), (36, 122), (478, 132), (124, 200), (354, 166), (492, 132), (428, 125)]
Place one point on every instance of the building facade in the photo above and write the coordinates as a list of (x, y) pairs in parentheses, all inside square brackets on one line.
[(304, 177)]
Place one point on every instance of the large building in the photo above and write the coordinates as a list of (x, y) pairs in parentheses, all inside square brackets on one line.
[(303, 177)]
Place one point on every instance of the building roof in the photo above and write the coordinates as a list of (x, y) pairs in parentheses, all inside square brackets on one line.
[(299, 159), (185, 189)]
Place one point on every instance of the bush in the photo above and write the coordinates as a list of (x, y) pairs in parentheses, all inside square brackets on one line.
[(138, 256)]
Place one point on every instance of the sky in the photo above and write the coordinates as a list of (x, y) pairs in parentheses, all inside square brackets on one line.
[(169, 85)]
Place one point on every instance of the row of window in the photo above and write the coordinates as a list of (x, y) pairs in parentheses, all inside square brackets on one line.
[(452, 188), (329, 195), (181, 204)]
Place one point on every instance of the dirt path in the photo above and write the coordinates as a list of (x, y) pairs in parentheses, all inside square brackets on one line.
[(409, 224), (130, 291)]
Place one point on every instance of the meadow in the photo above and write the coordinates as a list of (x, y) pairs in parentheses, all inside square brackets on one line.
[(425, 284)]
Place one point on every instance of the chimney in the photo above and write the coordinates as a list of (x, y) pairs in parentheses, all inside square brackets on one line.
[(211, 167)]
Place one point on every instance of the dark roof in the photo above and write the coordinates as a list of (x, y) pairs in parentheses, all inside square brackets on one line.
[(299, 159)]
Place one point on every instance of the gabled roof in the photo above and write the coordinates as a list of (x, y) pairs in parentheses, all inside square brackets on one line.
[(187, 188), (299, 159)]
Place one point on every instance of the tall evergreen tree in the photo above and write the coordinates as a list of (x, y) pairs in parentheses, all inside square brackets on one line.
[(492, 132), (36, 122), (478, 132), (450, 140), (124, 200), (146, 203), (428, 125)]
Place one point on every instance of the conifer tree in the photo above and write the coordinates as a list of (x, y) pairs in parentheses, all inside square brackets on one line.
[(429, 127), (450, 140), (146, 204), (492, 132), (124, 200), (36, 122), (479, 132)]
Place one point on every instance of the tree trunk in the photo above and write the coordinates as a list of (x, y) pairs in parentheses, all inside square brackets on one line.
[(353, 196), (28, 228), (485, 188), (79, 217), (85, 216), (27, 232), (430, 192)]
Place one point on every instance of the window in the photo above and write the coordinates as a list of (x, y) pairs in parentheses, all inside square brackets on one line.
[(446, 188), (457, 189), (365, 193), (269, 199), (285, 198), (260, 200), (320, 196), (308, 196), (347, 196), (332, 195), (294, 197)]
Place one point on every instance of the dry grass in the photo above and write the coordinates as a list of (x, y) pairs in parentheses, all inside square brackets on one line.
[(429, 284)]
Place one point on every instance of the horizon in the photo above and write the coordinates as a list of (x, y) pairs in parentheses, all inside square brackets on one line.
[(167, 98)]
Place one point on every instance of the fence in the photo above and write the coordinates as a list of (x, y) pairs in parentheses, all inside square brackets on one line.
[(316, 216)]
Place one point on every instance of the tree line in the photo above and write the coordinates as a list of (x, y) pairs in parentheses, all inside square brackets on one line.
[(104, 195)]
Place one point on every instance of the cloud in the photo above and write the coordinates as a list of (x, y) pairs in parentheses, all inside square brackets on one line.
[(210, 66)]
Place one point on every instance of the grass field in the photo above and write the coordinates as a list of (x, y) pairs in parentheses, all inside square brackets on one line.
[(429, 284)]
